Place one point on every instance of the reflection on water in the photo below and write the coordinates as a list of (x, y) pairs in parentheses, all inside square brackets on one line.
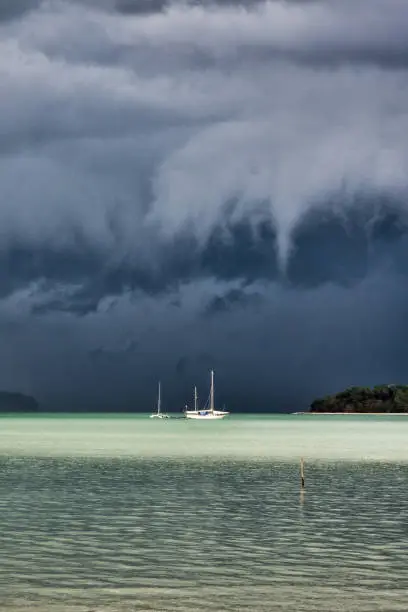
[(215, 535)]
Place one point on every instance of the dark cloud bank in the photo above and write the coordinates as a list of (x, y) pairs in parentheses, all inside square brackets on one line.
[(195, 185)]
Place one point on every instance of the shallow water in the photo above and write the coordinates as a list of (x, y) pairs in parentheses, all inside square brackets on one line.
[(122, 514), (285, 437)]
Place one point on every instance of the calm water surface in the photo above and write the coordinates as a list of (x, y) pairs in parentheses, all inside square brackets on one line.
[(114, 514)]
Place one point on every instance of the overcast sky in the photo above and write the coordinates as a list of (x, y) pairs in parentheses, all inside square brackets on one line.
[(195, 185)]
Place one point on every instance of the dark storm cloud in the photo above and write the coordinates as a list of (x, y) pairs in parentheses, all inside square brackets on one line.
[(320, 32), (230, 300), (226, 180), (288, 348), (326, 249), (11, 9), (174, 112)]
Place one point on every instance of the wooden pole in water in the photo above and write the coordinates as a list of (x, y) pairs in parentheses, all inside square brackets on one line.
[(302, 473)]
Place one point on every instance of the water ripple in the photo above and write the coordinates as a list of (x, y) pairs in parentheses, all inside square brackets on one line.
[(97, 534)]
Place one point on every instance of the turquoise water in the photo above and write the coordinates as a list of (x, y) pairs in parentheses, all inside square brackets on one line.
[(284, 437), (127, 513)]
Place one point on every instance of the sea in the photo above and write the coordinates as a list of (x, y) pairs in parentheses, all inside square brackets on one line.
[(102, 513)]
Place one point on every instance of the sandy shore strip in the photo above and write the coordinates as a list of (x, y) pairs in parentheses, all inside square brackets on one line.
[(355, 413)]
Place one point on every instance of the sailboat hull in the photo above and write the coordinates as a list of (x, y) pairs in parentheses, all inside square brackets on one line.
[(204, 415)]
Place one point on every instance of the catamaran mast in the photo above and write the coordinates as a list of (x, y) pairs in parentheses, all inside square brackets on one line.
[(212, 392), (195, 399), (159, 399)]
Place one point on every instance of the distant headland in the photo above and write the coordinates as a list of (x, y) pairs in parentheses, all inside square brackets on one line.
[(381, 399), (17, 402)]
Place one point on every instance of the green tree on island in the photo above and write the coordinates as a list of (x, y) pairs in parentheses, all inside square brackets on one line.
[(381, 398)]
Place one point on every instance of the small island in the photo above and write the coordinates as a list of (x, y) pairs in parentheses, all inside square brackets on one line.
[(17, 402), (381, 399)]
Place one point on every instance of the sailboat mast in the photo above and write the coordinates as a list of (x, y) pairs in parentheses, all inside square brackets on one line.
[(159, 399), (212, 392), (195, 399)]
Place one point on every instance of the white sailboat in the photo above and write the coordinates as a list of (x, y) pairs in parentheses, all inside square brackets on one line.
[(206, 413), (188, 412), (159, 414)]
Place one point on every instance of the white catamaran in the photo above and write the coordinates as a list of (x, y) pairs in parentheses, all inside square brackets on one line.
[(206, 413), (159, 414)]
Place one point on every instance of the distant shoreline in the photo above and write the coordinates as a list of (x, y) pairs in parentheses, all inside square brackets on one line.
[(352, 413)]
